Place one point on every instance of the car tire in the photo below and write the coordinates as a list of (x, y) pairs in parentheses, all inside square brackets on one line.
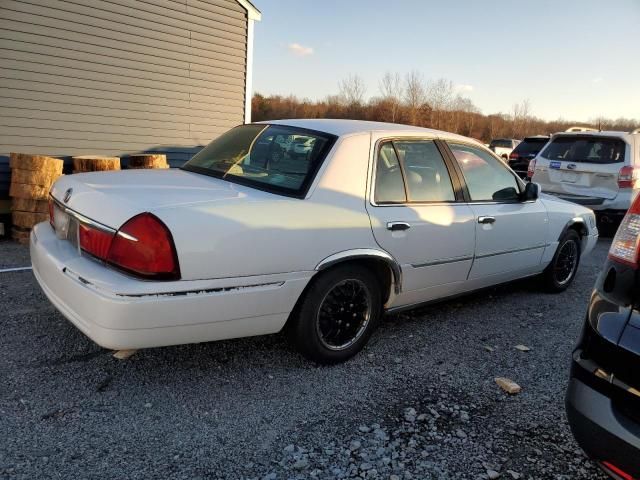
[(321, 326), (562, 270)]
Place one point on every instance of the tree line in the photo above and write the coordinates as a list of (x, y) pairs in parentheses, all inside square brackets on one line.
[(433, 103)]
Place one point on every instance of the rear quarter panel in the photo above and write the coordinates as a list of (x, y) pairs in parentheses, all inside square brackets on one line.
[(278, 234)]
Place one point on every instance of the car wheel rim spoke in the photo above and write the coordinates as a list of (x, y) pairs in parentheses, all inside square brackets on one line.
[(344, 314), (566, 262)]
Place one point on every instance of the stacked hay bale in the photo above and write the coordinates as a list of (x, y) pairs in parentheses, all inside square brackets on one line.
[(94, 163), (31, 180), (148, 160)]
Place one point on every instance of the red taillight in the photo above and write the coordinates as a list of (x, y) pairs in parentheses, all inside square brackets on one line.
[(51, 222), (94, 241), (620, 473), (627, 177), (514, 156), (144, 246), (624, 248), (531, 169)]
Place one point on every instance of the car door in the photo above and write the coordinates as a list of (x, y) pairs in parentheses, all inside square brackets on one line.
[(510, 233), (418, 213)]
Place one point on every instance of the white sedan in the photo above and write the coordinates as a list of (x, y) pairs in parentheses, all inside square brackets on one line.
[(377, 218)]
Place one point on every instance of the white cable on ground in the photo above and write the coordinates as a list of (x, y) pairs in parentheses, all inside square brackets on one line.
[(17, 269)]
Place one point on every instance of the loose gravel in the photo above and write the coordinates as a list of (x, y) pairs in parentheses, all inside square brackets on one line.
[(420, 402)]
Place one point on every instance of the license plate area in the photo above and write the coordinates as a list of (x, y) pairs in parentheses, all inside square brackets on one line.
[(570, 177)]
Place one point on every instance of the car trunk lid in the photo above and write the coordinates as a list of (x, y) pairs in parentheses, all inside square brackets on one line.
[(111, 198)]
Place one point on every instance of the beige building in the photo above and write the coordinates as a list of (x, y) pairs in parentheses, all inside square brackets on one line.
[(112, 77)]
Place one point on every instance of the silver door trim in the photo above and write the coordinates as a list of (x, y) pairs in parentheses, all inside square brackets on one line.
[(504, 252), (444, 261)]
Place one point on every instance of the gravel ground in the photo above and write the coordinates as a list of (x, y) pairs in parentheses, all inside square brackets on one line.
[(420, 402)]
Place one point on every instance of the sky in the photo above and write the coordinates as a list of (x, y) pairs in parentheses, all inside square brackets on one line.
[(572, 59)]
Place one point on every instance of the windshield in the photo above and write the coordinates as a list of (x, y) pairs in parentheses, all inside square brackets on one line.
[(585, 149), (262, 156), (530, 146)]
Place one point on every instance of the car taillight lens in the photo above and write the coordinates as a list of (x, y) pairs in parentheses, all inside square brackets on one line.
[(513, 156), (627, 177), (617, 471), (624, 247), (94, 241), (144, 247), (531, 169)]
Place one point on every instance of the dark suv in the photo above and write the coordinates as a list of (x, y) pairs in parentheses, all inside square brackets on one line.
[(603, 398), (525, 152)]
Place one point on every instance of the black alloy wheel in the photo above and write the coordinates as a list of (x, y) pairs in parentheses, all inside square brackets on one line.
[(336, 315)]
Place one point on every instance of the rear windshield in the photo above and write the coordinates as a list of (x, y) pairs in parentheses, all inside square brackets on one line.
[(262, 156), (530, 146), (585, 149), (500, 142)]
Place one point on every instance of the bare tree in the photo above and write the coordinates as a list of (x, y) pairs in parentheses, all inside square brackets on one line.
[(439, 96), (414, 94), (520, 118), (352, 90), (392, 91)]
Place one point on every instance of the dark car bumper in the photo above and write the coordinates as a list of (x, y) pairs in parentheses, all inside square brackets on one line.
[(604, 432)]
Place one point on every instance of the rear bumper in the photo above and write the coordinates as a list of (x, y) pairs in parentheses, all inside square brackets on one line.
[(588, 243), (602, 432), (120, 313), (620, 203)]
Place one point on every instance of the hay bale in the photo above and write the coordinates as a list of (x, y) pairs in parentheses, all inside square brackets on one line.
[(28, 219), (24, 161), (94, 163), (148, 160), (22, 190), (20, 235), (44, 178), (29, 205)]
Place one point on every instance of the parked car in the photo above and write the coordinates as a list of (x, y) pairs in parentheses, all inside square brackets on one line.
[(525, 152), (380, 217), (603, 397), (503, 147), (581, 129), (595, 169), (301, 147)]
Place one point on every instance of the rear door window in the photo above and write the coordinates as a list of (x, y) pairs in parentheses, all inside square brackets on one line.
[(584, 149), (425, 171), (389, 179), (412, 171)]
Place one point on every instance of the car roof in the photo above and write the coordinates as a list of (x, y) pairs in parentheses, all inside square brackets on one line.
[(605, 133), (536, 137), (342, 127)]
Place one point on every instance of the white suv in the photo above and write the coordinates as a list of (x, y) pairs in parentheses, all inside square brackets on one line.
[(503, 147), (595, 169)]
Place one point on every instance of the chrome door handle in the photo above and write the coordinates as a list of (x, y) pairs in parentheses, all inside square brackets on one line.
[(398, 226), (486, 219)]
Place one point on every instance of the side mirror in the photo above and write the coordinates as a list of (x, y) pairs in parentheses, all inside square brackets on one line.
[(531, 192), (505, 195)]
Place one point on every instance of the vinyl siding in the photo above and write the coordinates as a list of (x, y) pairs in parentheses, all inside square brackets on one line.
[(115, 77)]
